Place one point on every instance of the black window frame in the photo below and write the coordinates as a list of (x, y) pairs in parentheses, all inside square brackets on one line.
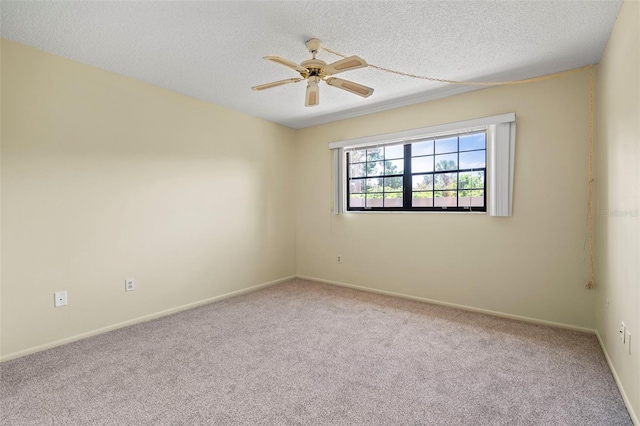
[(407, 175)]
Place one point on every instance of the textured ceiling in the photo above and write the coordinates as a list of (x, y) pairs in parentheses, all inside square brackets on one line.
[(213, 50)]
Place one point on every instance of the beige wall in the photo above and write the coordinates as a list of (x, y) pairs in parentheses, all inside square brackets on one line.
[(533, 264), (618, 193), (105, 178)]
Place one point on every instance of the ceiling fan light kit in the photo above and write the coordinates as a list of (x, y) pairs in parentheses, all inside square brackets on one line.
[(316, 70)]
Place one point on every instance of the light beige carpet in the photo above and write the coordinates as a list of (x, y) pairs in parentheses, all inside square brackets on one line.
[(303, 353)]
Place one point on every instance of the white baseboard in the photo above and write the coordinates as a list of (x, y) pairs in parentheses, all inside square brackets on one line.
[(454, 305), (632, 414), (138, 320)]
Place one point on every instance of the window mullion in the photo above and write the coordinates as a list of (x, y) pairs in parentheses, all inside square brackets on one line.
[(406, 179), (458, 174), (348, 175)]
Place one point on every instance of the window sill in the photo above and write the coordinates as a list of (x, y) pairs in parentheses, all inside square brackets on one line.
[(412, 212)]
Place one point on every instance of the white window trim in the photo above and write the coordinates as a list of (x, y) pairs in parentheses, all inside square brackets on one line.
[(500, 167)]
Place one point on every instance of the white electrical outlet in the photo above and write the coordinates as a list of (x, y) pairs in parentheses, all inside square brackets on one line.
[(622, 331), (129, 284), (60, 298), (339, 259)]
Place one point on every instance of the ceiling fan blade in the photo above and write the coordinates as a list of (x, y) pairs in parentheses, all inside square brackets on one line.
[(286, 63), (346, 64), (313, 95), (276, 83), (350, 86)]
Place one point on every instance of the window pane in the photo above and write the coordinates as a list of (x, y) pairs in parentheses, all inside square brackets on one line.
[(445, 181), (422, 199), (357, 156), (393, 199), (422, 148), (356, 200), (422, 182), (469, 142), (447, 162), (356, 186), (356, 170), (471, 180), (375, 154), (445, 199), (422, 164), (375, 168), (391, 152), (374, 185), (471, 198), (393, 184), (472, 160), (373, 200), (394, 167), (446, 145)]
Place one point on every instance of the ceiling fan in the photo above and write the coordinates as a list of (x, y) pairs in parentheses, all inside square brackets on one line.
[(315, 70)]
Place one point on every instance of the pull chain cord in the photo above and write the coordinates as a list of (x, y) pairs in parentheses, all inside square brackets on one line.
[(470, 83), (592, 274), (591, 283)]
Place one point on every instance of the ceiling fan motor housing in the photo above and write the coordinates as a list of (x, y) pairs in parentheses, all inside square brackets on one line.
[(314, 66)]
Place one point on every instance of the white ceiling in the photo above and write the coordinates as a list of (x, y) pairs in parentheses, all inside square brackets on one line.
[(213, 50)]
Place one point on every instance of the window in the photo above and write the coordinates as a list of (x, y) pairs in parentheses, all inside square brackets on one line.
[(445, 173), (459, 166)]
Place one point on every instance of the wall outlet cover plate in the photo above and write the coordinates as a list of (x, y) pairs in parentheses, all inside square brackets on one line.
[(60, 298), (129, 284)]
